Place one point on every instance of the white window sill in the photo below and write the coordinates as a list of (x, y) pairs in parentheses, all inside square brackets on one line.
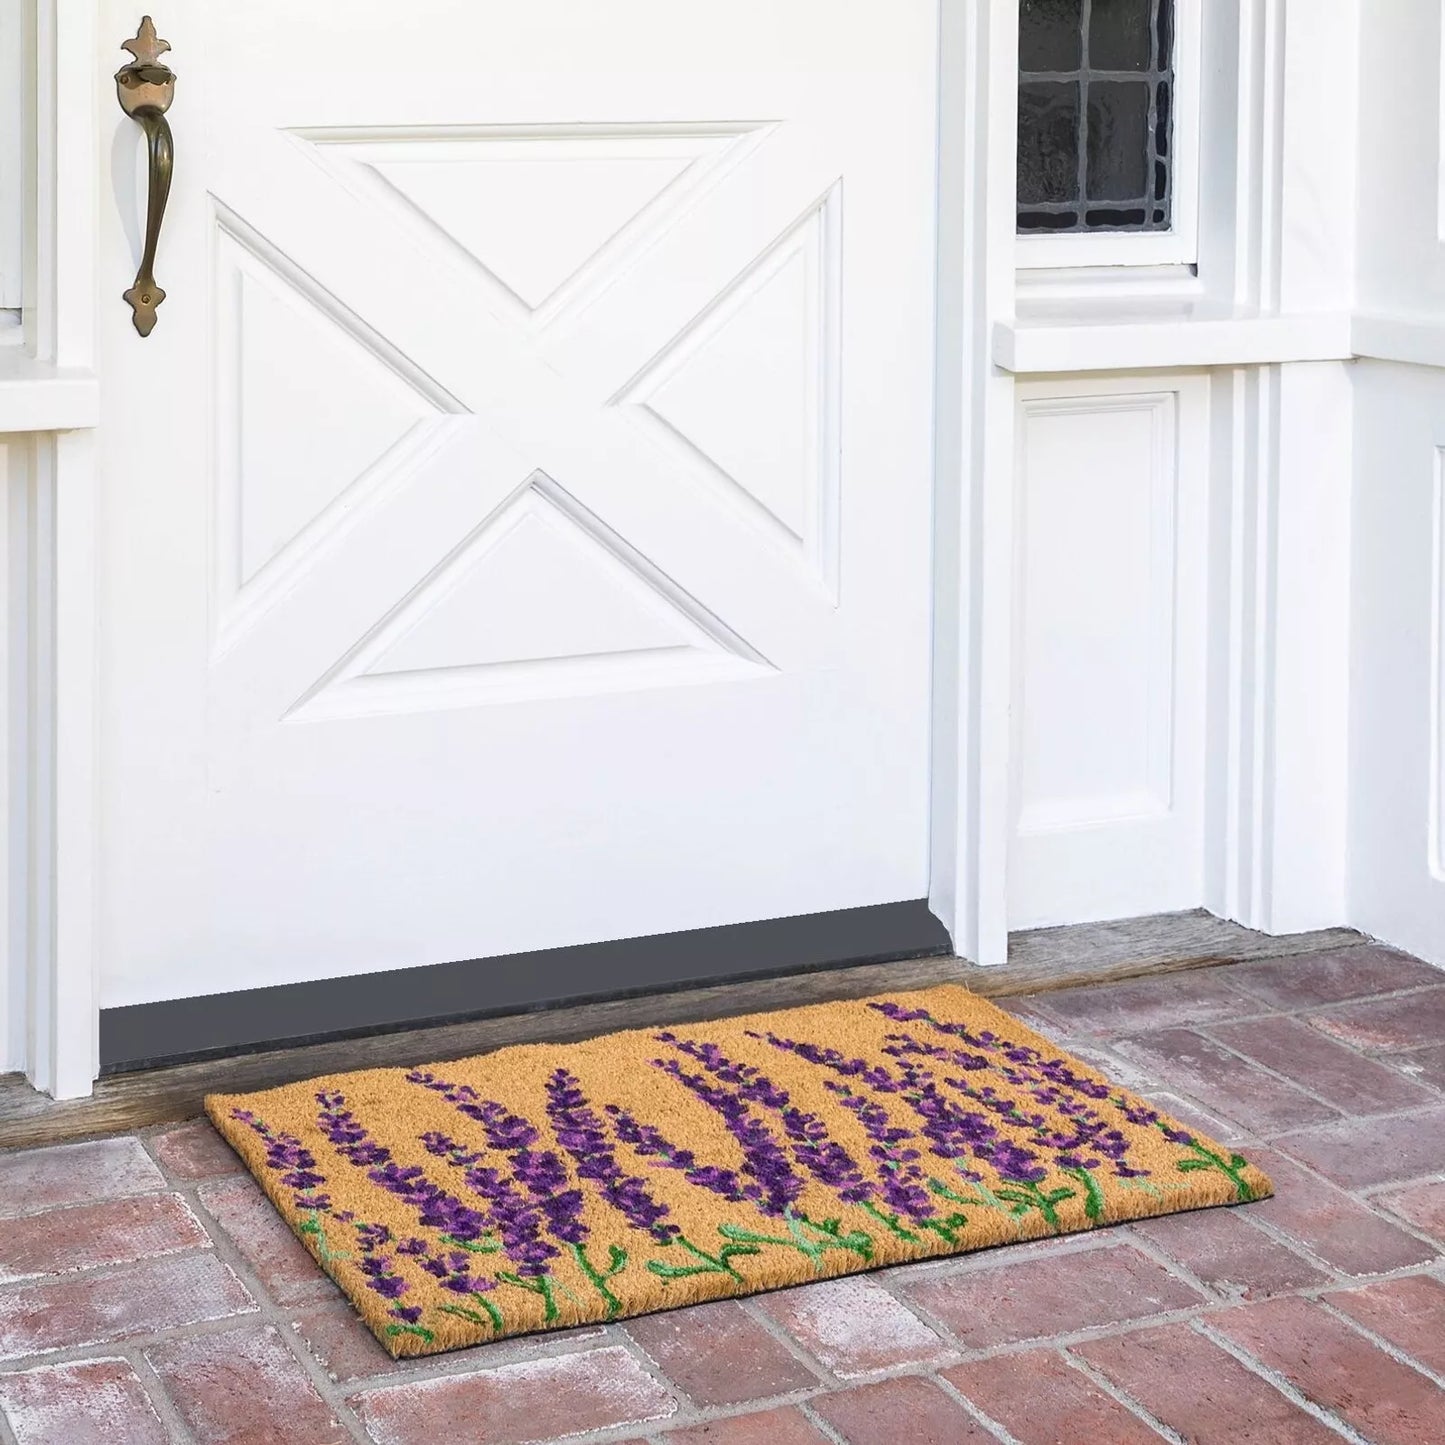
[(36, 396), (1044, 341)]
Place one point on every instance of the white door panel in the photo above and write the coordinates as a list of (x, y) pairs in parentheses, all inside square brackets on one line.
[(516, 529)]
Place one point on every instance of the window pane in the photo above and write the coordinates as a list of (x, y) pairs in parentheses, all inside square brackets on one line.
[(1048, 142), (1095, 115), (1121, 35), (1050, 34), (1118, 140)]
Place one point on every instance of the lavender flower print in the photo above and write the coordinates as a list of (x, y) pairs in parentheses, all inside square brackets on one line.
[(298, 1169), (774, 1186)]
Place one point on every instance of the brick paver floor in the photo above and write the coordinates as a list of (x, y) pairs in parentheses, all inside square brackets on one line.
[(148, 1294)]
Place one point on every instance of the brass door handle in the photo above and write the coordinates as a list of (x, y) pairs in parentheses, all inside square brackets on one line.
[(146, 88)]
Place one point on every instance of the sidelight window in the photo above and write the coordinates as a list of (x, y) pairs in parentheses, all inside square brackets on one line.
[(1096, 116)]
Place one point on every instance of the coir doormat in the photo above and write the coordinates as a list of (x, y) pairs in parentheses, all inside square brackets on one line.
[(545, 1186)]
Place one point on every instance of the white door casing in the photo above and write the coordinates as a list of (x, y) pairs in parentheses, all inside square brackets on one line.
[(516, 531)]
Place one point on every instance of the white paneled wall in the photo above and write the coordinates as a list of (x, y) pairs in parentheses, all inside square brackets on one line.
[(1397, 765), (1396, 869), (1109, 652)]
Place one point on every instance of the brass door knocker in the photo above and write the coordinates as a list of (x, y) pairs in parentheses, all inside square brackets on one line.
[(146, 89)]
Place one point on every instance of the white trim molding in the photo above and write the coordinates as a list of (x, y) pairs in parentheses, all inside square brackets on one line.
[(1179, 245), (51, 392)]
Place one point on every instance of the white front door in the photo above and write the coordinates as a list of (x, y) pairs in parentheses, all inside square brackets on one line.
[(516, 531)]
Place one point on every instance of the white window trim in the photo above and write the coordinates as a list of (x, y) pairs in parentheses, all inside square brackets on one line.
[(1178, 246), (14, 94)]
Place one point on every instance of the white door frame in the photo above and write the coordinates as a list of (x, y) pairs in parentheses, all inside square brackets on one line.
[(59, 718)]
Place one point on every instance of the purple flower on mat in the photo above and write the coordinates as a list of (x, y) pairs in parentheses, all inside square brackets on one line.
[(1015, 1163), (651, 1144), (537, 1193), (1177, 1136), (875, 1076), (774, 1187), (825, 1159), (376, 1268), (901, 1179), (517, 1219), (287, 1156), (436, 1209), (584, 1136)]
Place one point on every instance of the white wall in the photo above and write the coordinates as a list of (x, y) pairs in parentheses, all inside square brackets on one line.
[(1180, 646), (1397, 797), (1397, 751)]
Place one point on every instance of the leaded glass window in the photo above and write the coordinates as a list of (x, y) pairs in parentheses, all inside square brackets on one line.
[(1096, 86)]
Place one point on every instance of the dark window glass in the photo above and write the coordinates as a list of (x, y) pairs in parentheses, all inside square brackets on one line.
[(1095, 115)]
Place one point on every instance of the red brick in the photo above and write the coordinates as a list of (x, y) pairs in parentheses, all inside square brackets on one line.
[(1197, 996), (893, 1411), (1422, 1205), (1338, 1075), (238, 1387), (1330, 1224), (719, 1355), (1189, 1384), (96, 1402), (195, 1151), (1412, 1020), (1051, 1295), (1338, 1369), (1409, 1313), (1198, 1066), (1359, 1153), (37, 1179), (854, 1326), (787, 1426), (348, 1352), (89, 1235), (537, 1400), (342, 1345), (135, 1299), (1041, 1400), (1310, 979), (1199, 1120), (1032, 1011), (1224, 1250), (282, 1263)]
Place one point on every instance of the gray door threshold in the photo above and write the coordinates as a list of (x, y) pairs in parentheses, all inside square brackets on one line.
[(1040, 960)]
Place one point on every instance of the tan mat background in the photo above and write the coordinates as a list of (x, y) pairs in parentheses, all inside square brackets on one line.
[(546, 1186)]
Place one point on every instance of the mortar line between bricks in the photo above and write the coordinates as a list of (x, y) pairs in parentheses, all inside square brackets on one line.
[(760, 1317), (994, 1427), (1369, 1191), (1169, 1264), (14, 1217), (1206, 1031), (1274, 1140), (160, 1398), (1288, 1241), (1101, 1381), (820, 1425), (1276, 1381), (1402, 1357), (101, 1271), (272, 1313), (1106, 1033)]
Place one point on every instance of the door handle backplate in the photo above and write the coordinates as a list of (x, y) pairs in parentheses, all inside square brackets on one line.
[(146, 88)]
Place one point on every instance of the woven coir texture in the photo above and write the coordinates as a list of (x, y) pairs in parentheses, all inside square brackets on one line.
[(545, 1186)]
